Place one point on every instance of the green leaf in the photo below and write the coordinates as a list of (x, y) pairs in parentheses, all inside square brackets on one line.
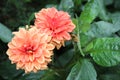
[(102, 29), (105, 51), (31, 18), (117, 4), (103, 13), (66, 5), (89, 13), (83, 70), (77, 32), (5, 33), (108, 2), (51, 75), (8, 71), (32, 76), (51, 5), (75, 21), (64, 58), (115, 17), (27, 0), (77, 2), (110, 77), (85, 39)]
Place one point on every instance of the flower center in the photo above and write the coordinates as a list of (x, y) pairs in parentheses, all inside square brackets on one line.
[(28, 49)]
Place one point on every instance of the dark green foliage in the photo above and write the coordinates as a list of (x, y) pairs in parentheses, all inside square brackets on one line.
[(82, 69), (96, 54)]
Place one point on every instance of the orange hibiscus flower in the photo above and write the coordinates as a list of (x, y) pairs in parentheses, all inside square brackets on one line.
[(56, 23), (30, 49)]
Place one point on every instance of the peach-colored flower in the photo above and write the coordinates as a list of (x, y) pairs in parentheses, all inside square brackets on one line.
[(56, 23), (30, 49)]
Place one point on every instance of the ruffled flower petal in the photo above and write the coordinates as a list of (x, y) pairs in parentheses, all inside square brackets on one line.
[(56, 23), (28, 49)]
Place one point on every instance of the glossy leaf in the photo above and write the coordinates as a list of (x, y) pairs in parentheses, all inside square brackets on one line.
[(85, 39), (5, 33), (89, 13), (115, 17), (103, 14), (83, 70), (102, 29), (105, 51)]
